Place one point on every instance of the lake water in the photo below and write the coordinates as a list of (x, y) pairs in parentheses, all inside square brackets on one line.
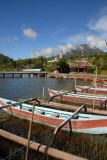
[(91, 147), (15, 88)]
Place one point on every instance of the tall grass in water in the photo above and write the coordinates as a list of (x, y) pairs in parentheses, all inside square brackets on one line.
[(93, 147)]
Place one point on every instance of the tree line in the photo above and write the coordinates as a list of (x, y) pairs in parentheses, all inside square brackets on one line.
[(98, 60)]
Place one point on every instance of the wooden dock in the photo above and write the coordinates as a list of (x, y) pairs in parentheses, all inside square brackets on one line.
[(22, 73), (38, 147)]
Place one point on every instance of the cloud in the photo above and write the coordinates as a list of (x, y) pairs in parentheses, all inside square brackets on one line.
[(96, 42), (10, 39), (53, 51), (45, 52), (78, 38), (66, 48), (62, 30), (99, 25), (31, 34), (98, 28)]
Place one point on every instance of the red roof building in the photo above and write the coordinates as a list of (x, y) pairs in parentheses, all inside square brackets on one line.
[(80, 66)]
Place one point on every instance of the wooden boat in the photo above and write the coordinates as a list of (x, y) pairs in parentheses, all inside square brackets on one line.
[(105, 82), (93, 124), (98, 85), (90, 89), (79, 97)]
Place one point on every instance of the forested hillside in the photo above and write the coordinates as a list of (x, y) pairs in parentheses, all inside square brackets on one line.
[(98, 60)]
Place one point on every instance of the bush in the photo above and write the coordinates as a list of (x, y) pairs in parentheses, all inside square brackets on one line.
[(91, 69), (49, 69), (63, 65)]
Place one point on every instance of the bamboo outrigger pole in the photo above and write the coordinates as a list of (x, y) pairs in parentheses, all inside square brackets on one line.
[(61, 125), (18, 103), (60, 94), (56, 154), (29, 133), (43, 94), (95, 88), (75, 84)]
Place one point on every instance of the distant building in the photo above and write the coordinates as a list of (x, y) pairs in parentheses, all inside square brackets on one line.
[(33, 70), (61, 55), (53, 61), (57, 69), (83, 67), (80, 66)]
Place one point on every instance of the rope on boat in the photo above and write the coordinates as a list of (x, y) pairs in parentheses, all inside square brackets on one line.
[(26, 146)]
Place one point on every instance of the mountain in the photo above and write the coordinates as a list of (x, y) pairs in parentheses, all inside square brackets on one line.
[(87, 50)]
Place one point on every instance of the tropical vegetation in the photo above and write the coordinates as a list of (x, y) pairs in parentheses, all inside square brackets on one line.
[(98, 60)]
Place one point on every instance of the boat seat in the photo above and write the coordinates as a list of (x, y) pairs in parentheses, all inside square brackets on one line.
[(29, 110), (55, 115), (41, 112), (9, 102)]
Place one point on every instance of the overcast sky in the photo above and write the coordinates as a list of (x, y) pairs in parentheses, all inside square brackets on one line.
[(32, 28)]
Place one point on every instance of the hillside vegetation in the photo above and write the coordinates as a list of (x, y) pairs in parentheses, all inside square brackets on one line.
[(98, 60)]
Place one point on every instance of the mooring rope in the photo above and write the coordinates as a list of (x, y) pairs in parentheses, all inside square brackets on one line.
[(26, 146)]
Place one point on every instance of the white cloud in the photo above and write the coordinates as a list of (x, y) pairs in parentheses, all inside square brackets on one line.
[(10, 39), (75, 39), (28, 32), (53, 51), (98, 28), (96, 42), (62, 30), (45, 52), (99, 25), (66, 48)]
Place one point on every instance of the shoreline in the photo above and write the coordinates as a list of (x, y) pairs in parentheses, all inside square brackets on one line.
[(75, 75)]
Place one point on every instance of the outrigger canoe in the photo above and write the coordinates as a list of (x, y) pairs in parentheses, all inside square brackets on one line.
[(87, 123), (91, 89), (98, 85), (79, 97)]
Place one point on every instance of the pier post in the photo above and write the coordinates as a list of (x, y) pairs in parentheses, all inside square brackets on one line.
[(4, 75), (38, 75), (29, 75), (13, 75), (21, 75)]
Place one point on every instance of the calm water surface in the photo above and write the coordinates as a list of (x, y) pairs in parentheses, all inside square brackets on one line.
[(15, 88)]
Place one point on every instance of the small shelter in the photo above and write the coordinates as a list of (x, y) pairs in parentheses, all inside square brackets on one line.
[(83, 67), (80, 66)]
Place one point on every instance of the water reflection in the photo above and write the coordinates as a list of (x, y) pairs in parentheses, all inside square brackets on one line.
[(15, 88)]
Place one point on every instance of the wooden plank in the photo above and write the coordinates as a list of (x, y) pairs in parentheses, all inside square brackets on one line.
[(38, 147)]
